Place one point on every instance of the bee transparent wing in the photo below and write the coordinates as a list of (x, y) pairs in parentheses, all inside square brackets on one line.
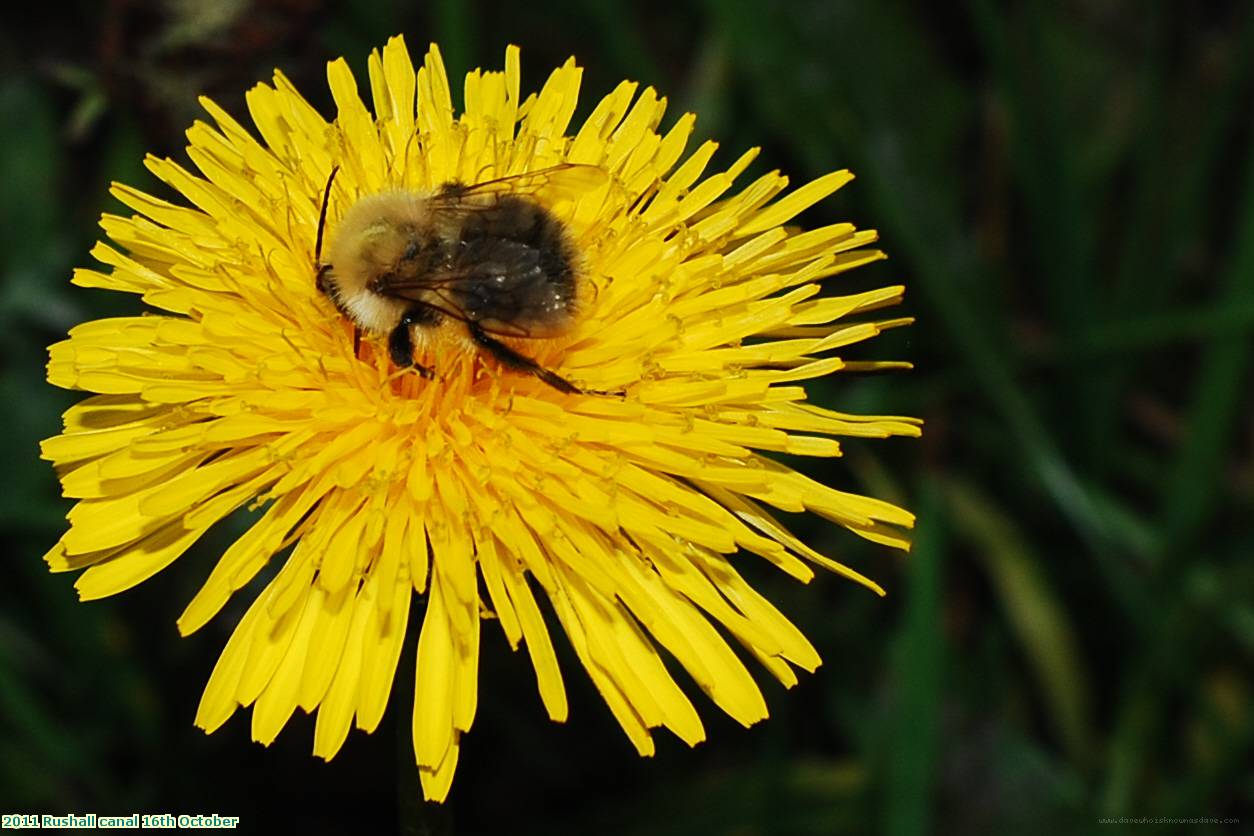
[(449, 302), (568, 181), (448, 305), (501, 285)]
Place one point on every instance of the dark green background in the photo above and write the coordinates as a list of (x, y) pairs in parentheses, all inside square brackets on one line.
[(1067, 189)]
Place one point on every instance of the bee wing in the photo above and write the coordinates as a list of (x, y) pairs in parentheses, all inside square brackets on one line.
[(567, 181), (412, 287), (450, 307), (496, 289)]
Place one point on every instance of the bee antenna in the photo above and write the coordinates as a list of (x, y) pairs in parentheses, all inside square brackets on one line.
[(322, 214)]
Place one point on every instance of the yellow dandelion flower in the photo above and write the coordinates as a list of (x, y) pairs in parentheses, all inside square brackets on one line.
[(625, 503)]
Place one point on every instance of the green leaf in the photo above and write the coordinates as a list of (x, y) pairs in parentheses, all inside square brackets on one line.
[(1035, 612), (1189, 496), (918, 665)]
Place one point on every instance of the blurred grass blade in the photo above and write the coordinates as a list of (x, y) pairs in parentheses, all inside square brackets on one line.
[(621, 40), (1135, 333), (1224, 730), (454, 24), (1025, 51), (904, 153), (1136, 727), (708, 89), (1170, 203), (918, 663), (1188, 497), (1141, 271), (1034, 611)]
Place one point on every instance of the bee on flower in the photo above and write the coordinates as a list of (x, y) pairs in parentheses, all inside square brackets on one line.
[(487, 360)]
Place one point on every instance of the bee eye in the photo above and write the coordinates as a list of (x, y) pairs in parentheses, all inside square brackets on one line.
[(411, 251)]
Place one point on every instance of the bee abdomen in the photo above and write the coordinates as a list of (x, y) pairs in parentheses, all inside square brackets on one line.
[(528, 283)]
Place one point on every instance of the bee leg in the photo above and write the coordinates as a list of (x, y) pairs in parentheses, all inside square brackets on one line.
[(357, 341), (401, 340), (512, 359)]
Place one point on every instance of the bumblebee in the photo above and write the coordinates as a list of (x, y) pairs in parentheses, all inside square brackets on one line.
[(489, 256)]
